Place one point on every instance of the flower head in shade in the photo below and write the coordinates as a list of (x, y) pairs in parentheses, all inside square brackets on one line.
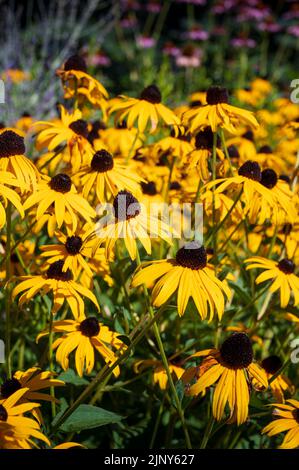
[(76, 81), (147, 108), (85, 335), (159, 372), (59, 193), (218, 113), (281, 384), (232, 370), (12, 159), (190, 275), (288, 420), (16, 430), (281, 273), (61, 284)]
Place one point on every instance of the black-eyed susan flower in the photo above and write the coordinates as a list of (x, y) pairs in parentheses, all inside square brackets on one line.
[(8, 194), (217, 113), (59, 193), (34, 381), (71, 130), (249, 180), (190, 275), (177, 144), (16, 430), (78, 83), (281, 273), (201, 156), (107, 177), (73, 250), (85, 335), (61, 284), (281, 384), (130, 222), (122, 141), (12, 159), (288, 420), (232, 369), (146, 108)]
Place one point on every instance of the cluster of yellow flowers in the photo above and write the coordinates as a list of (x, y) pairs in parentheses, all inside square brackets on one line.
[(242, 166)]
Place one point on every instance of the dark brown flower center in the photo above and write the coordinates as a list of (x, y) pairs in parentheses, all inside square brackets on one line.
[(271, 364), (11, 144), (285, 178), (126, 206), (75, 62), (195, 104), (216, 95), (287, 228), (9, 387), (175, 185), (296, 415), (286, 266), (94, 133), (73, 245), (80, 127), (2, 125), (89, 327), (248, 135), (204, 139), (236, 351), (61, 183), (151, 94), (269, 178), (149, 188), (251, 170), (233, 152), (265, 149), (102, 161), (3, 413), (55, 272), (192, 256)]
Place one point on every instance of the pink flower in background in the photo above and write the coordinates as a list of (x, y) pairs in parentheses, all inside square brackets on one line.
[(192, 2), (154, 6), (197, 34), (170, 49), (269, 26), (128, 22), (218, 31), (99, 59), (145, 42), (223, 6), (294, 30), (256, 14), (243, 42), (189, 56)]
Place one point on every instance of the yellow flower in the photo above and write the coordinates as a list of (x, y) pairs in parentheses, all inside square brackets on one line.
[(84, 335), (62, 285), (281, 383), (288, 415), (77, 82), (147, 107), (281, 273), (61, 193), (160, 375), (12, 159), (232, 369), (72, 130), (190, 275), (218, 113), (130, 222), (8, 194), (17, 431), (107, 177)]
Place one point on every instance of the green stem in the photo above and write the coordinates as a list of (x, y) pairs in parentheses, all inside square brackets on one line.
[(213, 201), (8, 291), (226, 151), (157, 423), (207, 433), (165, 364), (51, 366)]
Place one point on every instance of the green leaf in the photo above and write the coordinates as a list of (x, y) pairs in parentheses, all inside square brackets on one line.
[(89, 417), (70, 377)]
